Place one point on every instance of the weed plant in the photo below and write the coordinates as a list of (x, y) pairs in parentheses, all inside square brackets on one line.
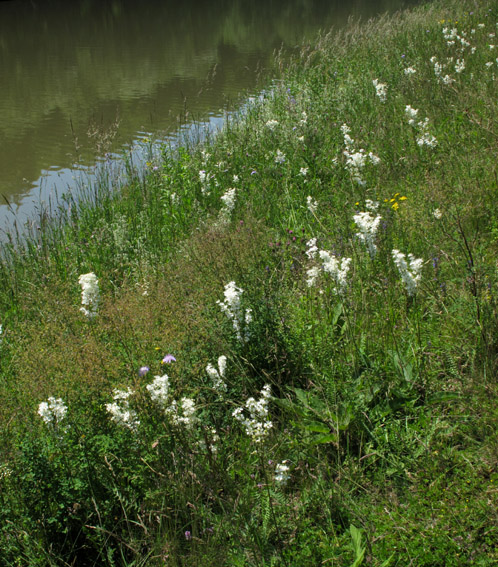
[(276, 346)]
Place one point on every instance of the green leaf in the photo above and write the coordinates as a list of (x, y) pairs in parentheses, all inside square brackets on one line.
[(442, 397), (317, 427), (329, 438), (359, 549)]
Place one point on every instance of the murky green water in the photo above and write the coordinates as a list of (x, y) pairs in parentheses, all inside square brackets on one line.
[(69, 71)]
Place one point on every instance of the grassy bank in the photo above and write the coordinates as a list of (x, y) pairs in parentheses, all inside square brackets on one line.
[(286, 354)]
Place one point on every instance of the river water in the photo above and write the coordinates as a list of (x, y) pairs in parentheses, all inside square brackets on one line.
[(85, 79)]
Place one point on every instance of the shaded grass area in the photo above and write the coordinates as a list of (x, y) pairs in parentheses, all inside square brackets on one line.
[(335, 246)]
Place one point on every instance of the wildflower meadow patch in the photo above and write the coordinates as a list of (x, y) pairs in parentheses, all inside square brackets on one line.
[(285, 352)]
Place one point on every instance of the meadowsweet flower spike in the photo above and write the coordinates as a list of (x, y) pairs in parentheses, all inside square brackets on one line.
[(337, 269), (368, 226), (89, 294), (217, 375), (380, 90), (232, 306), (257, 425), (409, 271), (52, 411), (120, 410), (228, 200), (159, 390)]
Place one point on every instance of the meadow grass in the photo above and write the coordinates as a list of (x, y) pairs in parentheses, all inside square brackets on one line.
[(323, 276)]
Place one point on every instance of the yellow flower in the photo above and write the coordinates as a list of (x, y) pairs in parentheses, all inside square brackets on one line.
[(395, 206), (402, 198)]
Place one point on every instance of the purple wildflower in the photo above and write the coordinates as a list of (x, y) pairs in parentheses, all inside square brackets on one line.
[(142, 371), (169, 358)]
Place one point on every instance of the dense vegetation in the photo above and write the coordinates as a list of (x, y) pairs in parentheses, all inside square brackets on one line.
[(277, 346)]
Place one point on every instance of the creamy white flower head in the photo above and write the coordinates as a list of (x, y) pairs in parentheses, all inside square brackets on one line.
[(380, 90), (183, 413), (427, 139), (232, 307), (272, 124), (460, 65), (312, 274), (120, 410), (437, 213), (337, 269), (312, 248), (411, 113), (303, 171), (159, 390), (257, 425), (368, 226), (311, 204), (371, 206), (217, 375), (228, 200), (410, 71), (280, 157), (409, 271), (282, 475), (89, 294), (52, 411)]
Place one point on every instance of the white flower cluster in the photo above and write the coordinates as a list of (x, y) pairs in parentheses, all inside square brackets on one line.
[(330, 264), (182, 413), (257, 424), (410, 71), (272, 124), (439, 69), (204, 179), (282, 474), (437, 213), (368, 226), (356, 160), (280, 157), (424, 138), (311, 204), (228, 200), (120, 410), (217, 375), (89, 294), (52, 411), (211, 437), (233, 308), (337, 269), (459, 65), (312, 248), (409, 271), (159, 390), (452, 37), (380, 90), (1, 333), (312, 274)]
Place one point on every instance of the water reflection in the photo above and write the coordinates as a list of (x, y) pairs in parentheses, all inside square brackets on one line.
[(70, 69)]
